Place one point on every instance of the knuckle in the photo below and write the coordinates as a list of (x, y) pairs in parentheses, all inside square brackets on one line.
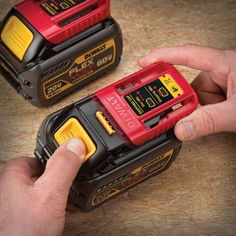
[(52, 202), (208, 122), (190, 46), (230, 56), (50, 197), (50, 193)]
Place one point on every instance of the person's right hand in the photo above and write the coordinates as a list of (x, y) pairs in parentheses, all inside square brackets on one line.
[(215, 86)]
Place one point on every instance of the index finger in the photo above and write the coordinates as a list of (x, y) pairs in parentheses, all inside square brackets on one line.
[(197, 57)]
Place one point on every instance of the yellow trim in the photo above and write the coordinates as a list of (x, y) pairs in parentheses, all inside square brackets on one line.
[(105, 123), (146, 165), (17, 36), (171, 85), (73, 129), (112, 192)]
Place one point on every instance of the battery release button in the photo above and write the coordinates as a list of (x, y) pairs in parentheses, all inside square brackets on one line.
[(17, 36), (73, 129)]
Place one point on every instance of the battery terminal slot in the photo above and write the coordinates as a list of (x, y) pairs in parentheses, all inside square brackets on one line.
[(105, 123)]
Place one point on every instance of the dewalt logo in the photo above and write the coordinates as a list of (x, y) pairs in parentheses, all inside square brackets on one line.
[(95, 52)]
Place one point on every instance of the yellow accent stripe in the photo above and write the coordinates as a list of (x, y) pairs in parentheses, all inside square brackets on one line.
[(146, 165)]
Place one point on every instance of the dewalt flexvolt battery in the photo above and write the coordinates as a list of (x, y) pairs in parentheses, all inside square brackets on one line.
[(127, 129), (50, 48)]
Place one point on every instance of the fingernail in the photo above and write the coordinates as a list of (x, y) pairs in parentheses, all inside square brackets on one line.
[(186, 129), (77, 147)]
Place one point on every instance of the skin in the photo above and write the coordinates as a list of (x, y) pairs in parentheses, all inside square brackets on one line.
[(33, 205), (215, 86), (36, 206)]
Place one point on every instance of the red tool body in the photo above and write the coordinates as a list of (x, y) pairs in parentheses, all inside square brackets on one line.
[(149, 102), (60, 20)]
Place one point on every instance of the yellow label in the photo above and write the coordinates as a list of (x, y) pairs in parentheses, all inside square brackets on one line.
[(17, 36), (84, 66), (136, 176), (94, 52), (73, 129), (171, 85)]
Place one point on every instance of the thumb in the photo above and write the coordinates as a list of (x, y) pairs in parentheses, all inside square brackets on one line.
[(62, 168), (207, 120)]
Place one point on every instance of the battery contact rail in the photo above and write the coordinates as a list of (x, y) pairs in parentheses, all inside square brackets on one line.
[(105, 123)]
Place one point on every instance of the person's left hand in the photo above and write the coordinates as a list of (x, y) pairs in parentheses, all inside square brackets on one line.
[(31, 206)]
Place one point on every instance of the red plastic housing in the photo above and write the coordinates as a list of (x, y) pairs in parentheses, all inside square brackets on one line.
[(51, 27), (132, 124)]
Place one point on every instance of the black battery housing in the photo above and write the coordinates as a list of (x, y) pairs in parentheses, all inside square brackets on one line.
[(49, 72), (115, 166)]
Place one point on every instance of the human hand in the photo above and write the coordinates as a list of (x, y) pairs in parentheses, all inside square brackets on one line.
[(215, 86), (31, 206)]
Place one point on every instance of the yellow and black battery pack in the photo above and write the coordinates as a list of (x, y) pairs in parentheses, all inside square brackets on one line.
[(112, 166), (127, 129), (50, 48)]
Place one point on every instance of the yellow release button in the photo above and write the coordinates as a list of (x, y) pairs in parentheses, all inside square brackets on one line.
[(73, 129), (17, 36)]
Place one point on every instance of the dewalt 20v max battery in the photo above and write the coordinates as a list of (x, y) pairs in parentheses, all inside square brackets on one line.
[(127, 129), (50, 48)]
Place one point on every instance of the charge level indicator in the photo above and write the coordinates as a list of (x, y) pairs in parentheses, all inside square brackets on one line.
[(150, 102), (163, 92)]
